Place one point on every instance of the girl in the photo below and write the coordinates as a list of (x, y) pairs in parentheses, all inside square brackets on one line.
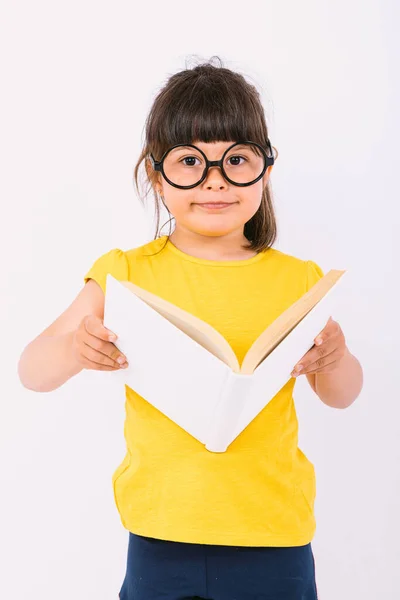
[(235, 525)]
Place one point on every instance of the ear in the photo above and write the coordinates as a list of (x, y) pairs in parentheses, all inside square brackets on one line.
[(153, 176), (267, 175)]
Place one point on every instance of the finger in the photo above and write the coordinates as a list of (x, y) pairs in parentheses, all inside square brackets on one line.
[(317, 352), (332, 328), (95, 326), (331, 366), (107, 348), (322, 334), (320, 363), (90, 364), (99, 367), (98, 357)]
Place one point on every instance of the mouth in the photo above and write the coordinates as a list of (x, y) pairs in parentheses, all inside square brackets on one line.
[(215, 205)]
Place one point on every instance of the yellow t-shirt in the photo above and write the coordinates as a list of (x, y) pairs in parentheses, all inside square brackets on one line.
[(261, 491)]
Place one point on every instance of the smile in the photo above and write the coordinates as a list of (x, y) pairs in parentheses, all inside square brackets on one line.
[(216, 206)]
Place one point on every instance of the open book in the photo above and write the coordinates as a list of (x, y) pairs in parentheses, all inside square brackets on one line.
[(186, 369)]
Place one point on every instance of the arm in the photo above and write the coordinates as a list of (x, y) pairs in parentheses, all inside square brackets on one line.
[(340, 388), (333, 373), (48, 361), (311, 381)]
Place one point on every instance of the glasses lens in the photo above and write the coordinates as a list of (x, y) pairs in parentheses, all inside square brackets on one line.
[(244, 163), (185, 165)]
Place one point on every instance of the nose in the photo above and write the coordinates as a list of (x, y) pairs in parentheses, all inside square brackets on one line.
[(215, 179)]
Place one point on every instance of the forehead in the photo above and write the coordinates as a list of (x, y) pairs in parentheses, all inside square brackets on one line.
[(213, 146), (213, 150)]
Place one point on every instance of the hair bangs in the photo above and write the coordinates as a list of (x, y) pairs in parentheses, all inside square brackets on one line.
[(205, 110)]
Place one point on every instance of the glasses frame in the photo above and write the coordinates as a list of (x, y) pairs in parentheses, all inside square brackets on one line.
[(159, 165)]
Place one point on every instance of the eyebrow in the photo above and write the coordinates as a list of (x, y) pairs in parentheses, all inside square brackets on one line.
[(188, 147)]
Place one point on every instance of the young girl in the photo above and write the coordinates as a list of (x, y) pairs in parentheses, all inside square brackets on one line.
[(234, 525)]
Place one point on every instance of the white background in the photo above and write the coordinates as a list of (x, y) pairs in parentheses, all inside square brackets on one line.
[(78, 79)]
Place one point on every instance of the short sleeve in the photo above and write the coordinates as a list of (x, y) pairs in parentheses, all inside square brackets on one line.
[(114, 262), (314, 274)]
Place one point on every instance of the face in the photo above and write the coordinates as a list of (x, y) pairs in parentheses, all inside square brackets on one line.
[(187, 206)]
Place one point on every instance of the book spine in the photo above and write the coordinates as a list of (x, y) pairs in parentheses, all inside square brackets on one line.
[(227, 411)]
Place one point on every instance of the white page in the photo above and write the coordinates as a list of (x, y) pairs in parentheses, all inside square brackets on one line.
[(166, 366), (228, 411), (275, 371)]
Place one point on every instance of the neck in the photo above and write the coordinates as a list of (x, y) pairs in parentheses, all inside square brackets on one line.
[(222, 247)]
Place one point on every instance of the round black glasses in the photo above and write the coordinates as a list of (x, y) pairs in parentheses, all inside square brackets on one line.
[(185, 166)]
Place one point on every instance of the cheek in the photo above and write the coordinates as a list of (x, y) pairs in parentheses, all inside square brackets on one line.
[(179, 202), (249, 204)]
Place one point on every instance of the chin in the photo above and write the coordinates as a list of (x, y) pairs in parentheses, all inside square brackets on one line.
[(213, 231)]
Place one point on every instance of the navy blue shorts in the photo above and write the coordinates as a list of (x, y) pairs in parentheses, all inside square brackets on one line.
[(159, 569)]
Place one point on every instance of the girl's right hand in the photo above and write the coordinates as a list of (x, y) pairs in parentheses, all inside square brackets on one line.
[(92, 347)]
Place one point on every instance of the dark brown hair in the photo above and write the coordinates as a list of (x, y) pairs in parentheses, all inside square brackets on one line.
[(209, 103)]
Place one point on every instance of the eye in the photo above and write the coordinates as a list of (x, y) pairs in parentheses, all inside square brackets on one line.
[(235, 158), (190, 159)]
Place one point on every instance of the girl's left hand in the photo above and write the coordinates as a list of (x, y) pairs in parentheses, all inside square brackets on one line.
[(326, 355)]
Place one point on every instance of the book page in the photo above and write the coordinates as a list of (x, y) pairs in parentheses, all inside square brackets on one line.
[(275, 371), (166, 367), (273, 335), (200, 331)]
